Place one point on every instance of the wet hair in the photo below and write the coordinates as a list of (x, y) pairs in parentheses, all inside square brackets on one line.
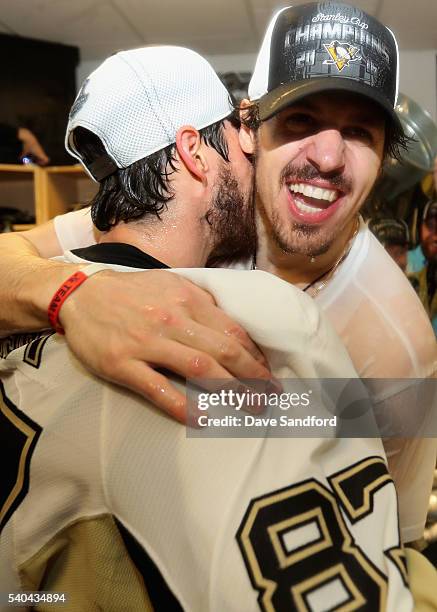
[(144, 187), (395, 140)]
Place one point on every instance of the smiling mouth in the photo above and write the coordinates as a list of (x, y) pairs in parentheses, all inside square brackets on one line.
[(312, 199)]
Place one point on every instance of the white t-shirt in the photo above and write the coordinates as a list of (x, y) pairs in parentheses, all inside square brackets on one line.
[(75, 229), (387, 333), (226, 521)]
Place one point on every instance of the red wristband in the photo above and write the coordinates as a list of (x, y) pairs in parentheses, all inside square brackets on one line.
[(71, 284)]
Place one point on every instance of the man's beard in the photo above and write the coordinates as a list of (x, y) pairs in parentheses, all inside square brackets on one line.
[(232, 220), (296, 237), (300, 238)]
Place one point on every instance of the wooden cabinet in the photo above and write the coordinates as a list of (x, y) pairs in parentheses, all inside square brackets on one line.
[(44, 192), (19, 186), (61, 189)]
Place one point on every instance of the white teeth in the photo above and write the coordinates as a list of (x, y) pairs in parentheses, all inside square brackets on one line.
[(308, 209), (314, 192)]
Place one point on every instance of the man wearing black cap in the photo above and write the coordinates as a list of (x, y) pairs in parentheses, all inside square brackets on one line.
[(319, 123), (323, 95), (393, 235)]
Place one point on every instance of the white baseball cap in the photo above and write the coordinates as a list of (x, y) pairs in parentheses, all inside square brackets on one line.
[(136, 101)]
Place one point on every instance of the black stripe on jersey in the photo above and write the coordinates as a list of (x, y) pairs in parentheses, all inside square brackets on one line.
[(355, 486), (33, 351), (15, 341), (18, 438), (157, 589)]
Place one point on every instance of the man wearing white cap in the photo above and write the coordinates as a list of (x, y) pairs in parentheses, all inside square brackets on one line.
[(104, 498), (317, 158)]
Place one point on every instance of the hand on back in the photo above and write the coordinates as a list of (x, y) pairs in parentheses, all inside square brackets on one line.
[(122, 326)]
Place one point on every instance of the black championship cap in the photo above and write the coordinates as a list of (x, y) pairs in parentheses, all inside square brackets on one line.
[(324, 46)]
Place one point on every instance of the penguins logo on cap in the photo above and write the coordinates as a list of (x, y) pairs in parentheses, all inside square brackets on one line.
[(342, 54)]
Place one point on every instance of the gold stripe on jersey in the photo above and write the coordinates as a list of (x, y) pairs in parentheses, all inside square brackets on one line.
[(355, 601), (88, 561), (321, 543), (397, 555)]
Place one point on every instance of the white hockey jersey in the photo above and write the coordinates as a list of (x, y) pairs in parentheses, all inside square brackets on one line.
[(106, 499), (388, 335)]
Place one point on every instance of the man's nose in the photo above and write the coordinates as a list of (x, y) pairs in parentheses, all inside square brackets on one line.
[(326, 151)]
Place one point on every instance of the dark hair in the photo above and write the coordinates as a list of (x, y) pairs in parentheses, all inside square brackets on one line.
[(395, 138), (144, 187)]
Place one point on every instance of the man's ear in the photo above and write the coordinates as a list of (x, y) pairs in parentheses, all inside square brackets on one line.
[(189, 148), (246, 135)]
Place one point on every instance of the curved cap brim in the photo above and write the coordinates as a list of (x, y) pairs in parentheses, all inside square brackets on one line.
[(283, 96)]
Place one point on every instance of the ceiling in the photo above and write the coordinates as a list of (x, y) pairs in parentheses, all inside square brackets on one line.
[(212, 27)]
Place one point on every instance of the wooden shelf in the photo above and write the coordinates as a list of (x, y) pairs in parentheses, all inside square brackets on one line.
[(18, 169), (44, 192), (77, 169), (22, 227)]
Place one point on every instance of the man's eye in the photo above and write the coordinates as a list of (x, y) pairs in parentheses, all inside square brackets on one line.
[(300, 121), (358, 133)]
